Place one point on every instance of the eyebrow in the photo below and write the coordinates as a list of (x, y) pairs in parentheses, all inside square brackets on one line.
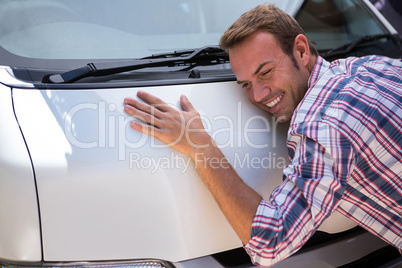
[(257, 70), (260, 67)]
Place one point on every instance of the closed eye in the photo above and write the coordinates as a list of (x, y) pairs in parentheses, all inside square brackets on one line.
[(266, 72), (245, 85)]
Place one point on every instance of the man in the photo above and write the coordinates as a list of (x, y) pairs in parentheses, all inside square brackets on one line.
[(345, 137)]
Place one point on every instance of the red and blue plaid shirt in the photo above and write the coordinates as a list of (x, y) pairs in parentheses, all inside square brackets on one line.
[(345, 146)]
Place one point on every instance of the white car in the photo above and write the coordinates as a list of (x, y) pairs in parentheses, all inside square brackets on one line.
[(79, 187)]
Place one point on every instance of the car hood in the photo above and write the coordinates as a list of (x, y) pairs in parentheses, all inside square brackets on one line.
[(108, 192)]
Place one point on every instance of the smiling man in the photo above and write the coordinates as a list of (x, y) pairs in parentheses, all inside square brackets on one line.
[(272, 80), (344, 140)]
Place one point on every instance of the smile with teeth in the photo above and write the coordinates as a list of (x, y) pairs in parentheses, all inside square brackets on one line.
[(274, 102)]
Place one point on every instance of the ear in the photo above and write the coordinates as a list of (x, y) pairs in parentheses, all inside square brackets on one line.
[(302, 49)]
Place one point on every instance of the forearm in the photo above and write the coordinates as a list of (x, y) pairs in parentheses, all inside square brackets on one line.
[(236, 199)]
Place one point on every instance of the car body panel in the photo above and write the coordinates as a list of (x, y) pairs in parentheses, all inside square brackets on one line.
[(19, 225), (136, 181)]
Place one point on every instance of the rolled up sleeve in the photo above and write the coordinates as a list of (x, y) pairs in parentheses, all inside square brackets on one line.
[(313, 185)]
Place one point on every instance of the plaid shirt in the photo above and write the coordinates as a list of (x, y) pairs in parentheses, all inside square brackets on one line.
[(345, 146)]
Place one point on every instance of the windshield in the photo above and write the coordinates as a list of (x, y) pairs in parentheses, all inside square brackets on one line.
[(71, 29), (332, 23), (121, 29)]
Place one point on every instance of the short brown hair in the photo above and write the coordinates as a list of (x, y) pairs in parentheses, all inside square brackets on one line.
[(267, 18)]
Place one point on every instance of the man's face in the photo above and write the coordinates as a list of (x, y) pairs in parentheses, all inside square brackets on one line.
[(270, 78)]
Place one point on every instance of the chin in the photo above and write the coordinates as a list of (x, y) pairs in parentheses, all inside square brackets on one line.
[(283, 118)]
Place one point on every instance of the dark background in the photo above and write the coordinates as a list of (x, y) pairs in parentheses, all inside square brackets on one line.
[(392, 11)]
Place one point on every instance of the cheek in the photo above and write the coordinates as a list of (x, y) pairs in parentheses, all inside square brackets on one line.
[(250, 95)]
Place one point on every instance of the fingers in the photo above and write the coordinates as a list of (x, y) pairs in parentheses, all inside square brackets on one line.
[(146, 129), (142, 112), (149, 111), (186, 104), (152, 111), (154, 101), (143, 107)]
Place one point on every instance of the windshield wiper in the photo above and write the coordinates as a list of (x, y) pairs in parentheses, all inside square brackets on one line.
[(347, 48), (208, 55)]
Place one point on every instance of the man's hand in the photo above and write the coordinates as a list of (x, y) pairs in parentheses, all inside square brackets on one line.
[(182, 130)]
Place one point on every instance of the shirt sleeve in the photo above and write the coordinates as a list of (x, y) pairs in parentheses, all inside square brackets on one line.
[(314, 182)]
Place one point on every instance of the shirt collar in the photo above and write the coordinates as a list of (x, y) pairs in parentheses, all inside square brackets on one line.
[(320, 67)]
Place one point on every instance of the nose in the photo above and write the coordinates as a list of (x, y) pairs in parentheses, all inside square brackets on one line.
[(260, 92)]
